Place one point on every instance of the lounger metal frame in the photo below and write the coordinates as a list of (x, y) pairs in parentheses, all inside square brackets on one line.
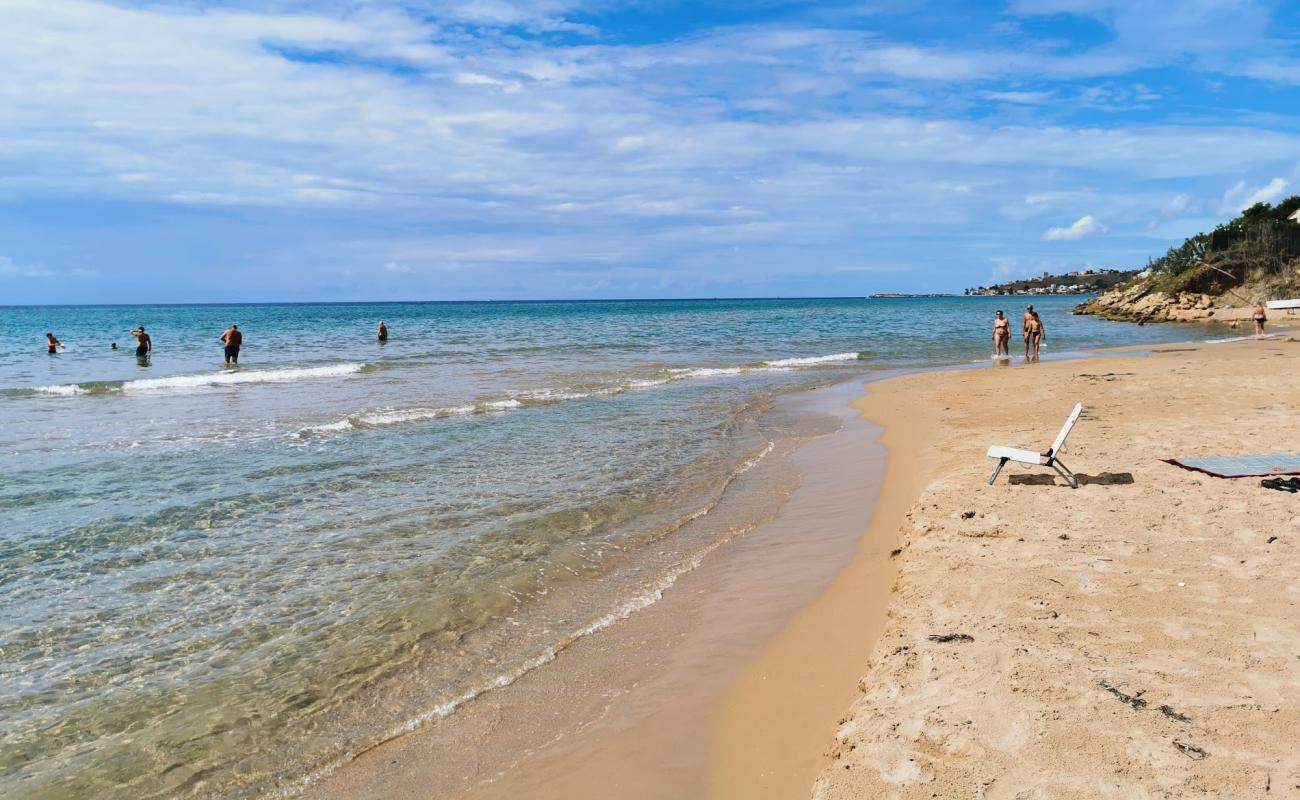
[(1047, 458)]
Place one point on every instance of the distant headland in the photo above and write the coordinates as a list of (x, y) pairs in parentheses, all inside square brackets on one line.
[(1084, 281)]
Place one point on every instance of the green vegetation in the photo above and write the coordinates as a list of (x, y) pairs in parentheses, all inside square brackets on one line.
[(1259, 244)]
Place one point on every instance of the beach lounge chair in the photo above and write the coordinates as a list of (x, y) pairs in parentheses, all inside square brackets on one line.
[(1047, 458)]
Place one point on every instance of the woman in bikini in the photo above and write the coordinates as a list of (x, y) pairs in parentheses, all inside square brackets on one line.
[(1257, 314), (1001, 335)]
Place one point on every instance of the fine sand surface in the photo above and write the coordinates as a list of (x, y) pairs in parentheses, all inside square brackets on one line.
[(1175, 589)]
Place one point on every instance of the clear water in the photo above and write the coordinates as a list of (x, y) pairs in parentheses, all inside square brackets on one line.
[(214, 581)]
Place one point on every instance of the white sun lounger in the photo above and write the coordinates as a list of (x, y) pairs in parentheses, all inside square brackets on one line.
[(1048, 458)]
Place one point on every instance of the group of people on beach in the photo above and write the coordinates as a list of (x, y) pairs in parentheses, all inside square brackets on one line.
[(1031, 329), (232, 339)]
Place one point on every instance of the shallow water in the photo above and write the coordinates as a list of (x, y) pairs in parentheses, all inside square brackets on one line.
[(215, 581)]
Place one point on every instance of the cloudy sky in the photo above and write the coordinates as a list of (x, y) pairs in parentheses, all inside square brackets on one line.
[(429, 149)]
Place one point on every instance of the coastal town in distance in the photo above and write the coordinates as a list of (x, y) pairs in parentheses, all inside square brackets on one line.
[(1082, 281)]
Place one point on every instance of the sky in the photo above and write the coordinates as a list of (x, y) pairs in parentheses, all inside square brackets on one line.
[(331, 150)]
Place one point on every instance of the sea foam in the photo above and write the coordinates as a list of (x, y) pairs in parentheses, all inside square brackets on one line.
[(182, 382), (811, 360)]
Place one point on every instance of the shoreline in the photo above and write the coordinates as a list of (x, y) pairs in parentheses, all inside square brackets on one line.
[(773, 691), (633, 704)]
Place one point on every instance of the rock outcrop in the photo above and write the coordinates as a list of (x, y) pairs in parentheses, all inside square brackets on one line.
[(1138, 303)]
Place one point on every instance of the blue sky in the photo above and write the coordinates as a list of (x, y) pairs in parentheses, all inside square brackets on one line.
[(499, 149)]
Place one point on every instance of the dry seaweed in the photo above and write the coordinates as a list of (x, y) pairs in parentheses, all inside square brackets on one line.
[(1134, 700), (1169, 711), (1190, 750)]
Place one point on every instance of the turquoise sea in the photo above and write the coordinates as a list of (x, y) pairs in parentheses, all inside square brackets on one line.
[(218, 581)]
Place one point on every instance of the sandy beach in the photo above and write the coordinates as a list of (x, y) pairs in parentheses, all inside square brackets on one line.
[(1136, 637)]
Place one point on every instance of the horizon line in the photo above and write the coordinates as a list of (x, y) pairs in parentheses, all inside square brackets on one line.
[(472, 302)]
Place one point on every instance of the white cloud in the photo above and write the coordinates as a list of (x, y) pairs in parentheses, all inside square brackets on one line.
[(398, 268), (1178, 205), (12, 269), (1241, 197), (1023, 98), (1084, 226)]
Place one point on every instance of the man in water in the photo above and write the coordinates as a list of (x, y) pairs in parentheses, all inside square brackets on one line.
[(232, 339), (383, 331), (1001, 335), (52, 343), (1034, 333), (143, 344), (112, 345)]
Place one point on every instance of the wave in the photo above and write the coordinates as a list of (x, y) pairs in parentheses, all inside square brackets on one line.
[(811, 360), (396, 416), (393, 416), (184, 382)]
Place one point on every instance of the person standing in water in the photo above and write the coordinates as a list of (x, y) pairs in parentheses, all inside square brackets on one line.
[(52, 344), (383, 331), (143, 344), (1001, 335), (232, 339), (1034, 334), (1257, 314)]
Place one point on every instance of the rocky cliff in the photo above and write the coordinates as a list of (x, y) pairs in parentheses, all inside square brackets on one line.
[(1140, 303)]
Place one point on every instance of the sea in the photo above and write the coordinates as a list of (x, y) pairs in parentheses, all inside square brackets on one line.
[(224, 580)]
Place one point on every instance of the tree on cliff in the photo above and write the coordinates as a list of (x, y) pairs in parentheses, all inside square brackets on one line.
[(1261, 237)]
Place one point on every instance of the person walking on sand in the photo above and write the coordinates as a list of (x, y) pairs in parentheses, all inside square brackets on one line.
[(383, 332), (1034, 334), (143, 344), (1257, 314), (232, 339), (52, 344), (1001, 335)]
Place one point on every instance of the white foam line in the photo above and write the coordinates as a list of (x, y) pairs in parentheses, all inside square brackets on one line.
[(751, 463), (803, 362), (1239, 338), (249, 376), (65, 390)]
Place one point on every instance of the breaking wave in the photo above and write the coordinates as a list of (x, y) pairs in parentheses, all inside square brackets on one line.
[(190, 382)]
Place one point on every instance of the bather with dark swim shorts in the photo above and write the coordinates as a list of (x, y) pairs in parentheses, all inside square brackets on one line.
[(232, 352)]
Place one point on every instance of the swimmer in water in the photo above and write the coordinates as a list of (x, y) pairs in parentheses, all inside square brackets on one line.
[(52, 343), (383, 331)]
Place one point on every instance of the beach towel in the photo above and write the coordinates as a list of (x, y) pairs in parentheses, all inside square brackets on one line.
[(1241, 466)]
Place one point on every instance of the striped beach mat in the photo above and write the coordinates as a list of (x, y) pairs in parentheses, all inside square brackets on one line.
[(1241, 466)]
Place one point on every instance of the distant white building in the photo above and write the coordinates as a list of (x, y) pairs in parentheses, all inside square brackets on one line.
[(1296, 216)]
